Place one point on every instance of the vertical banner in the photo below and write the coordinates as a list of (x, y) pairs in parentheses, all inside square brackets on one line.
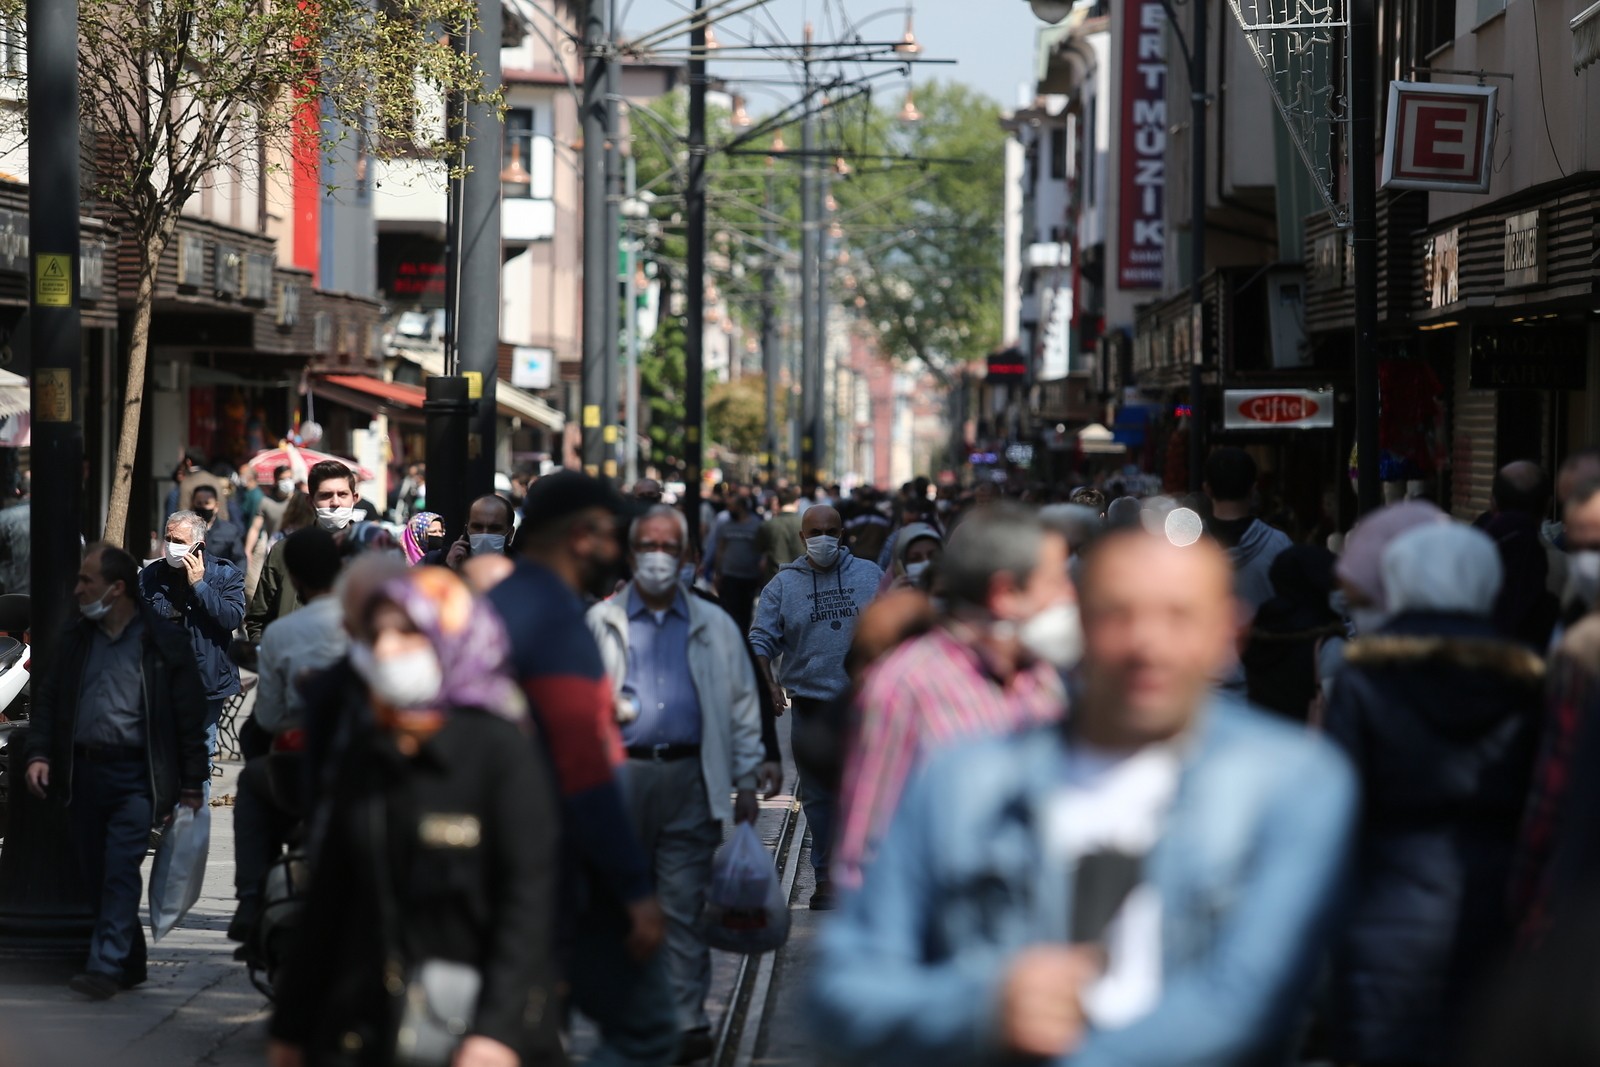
[(1142, 176)]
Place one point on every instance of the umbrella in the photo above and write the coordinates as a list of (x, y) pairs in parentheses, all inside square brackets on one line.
[(299, 460)]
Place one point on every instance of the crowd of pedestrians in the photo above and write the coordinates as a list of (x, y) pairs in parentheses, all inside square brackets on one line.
[(1089, 778)]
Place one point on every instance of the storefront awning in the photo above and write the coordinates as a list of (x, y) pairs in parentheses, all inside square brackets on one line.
[(372, 395), (511, 402), (14, 394), (1585, 37)]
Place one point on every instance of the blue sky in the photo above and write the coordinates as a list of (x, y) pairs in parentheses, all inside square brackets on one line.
[(991, 40)]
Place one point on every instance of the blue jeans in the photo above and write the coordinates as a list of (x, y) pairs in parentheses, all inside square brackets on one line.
[(111, 820), (818, 805), (630, 1003)]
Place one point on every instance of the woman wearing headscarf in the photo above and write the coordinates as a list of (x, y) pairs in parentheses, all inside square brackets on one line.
[(424, 533), (1280, 658), (1438, 713), (916, 547), (434, 882)]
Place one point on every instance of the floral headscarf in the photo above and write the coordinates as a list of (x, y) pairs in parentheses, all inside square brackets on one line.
[(415, 538), (474, 652)]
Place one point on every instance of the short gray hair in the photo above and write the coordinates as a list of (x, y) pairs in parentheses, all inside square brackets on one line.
[(197, 525), (661, 511), (996, 539)]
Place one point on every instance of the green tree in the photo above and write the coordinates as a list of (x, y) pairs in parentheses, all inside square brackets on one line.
[(175, 90), (661, 380), (736, 415)]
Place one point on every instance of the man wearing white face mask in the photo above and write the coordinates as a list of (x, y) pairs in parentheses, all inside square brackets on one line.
[(203, 594), (489, 523), (807, 616), (991, 666), (332, 487), (691, 726)]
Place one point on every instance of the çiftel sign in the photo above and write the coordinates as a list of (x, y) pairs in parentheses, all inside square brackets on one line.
[(1276, 409), (1142, 170), (1439, 137)]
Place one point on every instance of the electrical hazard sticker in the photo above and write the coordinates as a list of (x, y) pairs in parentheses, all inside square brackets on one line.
[(52, 281)]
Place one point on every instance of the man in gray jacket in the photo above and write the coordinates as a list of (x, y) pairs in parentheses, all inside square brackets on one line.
[(807, 615), (691, 724)]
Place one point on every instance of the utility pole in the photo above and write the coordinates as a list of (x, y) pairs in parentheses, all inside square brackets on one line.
[(1362, 50), (478, 275), (44, 907), (826, 377), (769, 334), (630, 267), (613, 243), (599, 264), (810, 372), (695, 325), (1197, 242)]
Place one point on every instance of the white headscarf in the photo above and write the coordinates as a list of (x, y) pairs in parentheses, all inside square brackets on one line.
[(1443, 567)]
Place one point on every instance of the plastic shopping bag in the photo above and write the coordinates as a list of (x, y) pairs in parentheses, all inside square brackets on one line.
[(745, 906), (180, 868)]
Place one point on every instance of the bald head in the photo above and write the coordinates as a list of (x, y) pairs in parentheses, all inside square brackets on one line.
[(1159, 624), (821, 520), (1522, 488)]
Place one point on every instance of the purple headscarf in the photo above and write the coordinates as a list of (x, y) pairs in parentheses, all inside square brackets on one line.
[(415, 538), (466, 634)]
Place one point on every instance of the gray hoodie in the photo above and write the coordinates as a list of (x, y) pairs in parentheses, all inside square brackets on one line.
[(809, 618)]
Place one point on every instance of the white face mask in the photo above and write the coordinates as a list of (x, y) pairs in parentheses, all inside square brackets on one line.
[(335, 518), (286, 486), (410, 680), (177, 553), (487, 544), (823, 550), (96, 610), (655, 572), (915, 571), (1055, 635)]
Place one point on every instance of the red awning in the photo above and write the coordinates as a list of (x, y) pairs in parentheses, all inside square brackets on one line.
[(406, 396)]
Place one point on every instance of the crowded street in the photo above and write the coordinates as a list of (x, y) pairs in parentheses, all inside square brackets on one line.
[(788, 533)]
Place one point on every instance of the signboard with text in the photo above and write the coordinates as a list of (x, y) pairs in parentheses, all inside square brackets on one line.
[(1439, 137), (1142, 176), (1276, 409)]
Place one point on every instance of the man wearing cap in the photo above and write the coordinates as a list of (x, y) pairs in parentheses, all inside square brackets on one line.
[(612, 922)]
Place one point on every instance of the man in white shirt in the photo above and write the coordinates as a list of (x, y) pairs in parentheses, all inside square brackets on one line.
[(292, 646)]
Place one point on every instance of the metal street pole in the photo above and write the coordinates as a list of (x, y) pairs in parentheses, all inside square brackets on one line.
[(1362, 49), (599, 264), (1197, 243), (769, 335), (478, 276), (613, 250), (695, 216), (810, 378), (630, 444), (825, 371), (44, 906)]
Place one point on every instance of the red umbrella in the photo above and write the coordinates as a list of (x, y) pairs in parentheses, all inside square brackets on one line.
[(299, 460)]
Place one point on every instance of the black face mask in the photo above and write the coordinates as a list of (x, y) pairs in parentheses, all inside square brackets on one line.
[(206, 513), (434, 542)]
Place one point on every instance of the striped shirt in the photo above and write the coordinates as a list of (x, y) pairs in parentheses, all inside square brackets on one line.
[(930, 691)]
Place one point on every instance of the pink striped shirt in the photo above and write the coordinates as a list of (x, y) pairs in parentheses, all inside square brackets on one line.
[(930, 691)]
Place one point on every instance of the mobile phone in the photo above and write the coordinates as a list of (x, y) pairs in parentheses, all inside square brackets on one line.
[(1101, 885)]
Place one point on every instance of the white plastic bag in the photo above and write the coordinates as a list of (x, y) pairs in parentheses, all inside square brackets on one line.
[(745, 907), (179, 869)]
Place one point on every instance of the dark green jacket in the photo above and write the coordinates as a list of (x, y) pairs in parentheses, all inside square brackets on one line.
[(274, 596)]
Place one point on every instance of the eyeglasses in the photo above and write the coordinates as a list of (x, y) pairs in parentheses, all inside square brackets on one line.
[(671, 548)]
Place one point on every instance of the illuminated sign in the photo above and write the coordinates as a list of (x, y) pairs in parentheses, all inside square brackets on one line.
[(1142, 183), (1439, 137), (1276, 409)]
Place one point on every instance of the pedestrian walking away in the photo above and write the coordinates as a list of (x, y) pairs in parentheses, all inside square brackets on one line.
[(691, 727), (118, 733)]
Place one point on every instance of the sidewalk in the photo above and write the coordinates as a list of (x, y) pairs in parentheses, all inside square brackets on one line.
[(198, 1007)]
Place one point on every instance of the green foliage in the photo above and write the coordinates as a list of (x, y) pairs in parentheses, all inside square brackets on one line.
[(736, 414), (661, 383)]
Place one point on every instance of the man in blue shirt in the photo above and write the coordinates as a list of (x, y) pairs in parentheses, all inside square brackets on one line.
[(1153, 882), (691, 727)]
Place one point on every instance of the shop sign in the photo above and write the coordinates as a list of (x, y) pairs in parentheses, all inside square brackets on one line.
[(1441, 267), (1524, 249), (1528, 355), (1276, 409), (532, 368), (1141, 241), (13, 242), (91, 269), (1439, 137)]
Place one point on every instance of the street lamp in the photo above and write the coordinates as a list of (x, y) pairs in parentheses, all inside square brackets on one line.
[(515, 181), (908, 45), (908, 110), (741, 115), (1051, 11)]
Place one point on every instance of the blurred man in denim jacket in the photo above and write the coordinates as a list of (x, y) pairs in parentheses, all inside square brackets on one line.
[(1151, 884)]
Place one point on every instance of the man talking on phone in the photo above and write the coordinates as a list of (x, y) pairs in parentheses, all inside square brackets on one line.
[(203, 594)]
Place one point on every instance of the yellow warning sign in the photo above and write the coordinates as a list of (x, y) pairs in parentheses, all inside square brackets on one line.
[(52, 392), (474, 384), (52, 281), (591, 416)]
